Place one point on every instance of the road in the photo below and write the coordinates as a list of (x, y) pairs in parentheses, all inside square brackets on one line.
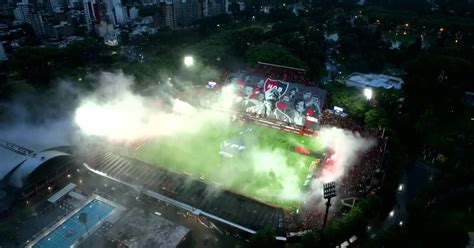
[(412, 182)]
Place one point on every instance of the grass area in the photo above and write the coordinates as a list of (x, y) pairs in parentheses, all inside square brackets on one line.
[(268, 169)]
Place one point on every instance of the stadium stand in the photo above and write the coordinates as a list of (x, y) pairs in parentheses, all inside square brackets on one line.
[(202, 199), (355, 184), (279, 72)]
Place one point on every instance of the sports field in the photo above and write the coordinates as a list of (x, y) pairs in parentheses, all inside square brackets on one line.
[(266, 167)]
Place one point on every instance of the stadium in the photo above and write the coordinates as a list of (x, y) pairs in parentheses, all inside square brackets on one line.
[(255, 151)]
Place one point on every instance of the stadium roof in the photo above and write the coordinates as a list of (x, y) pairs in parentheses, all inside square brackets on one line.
[(140, 229), (9, 161), (203, 199), (17, 162)]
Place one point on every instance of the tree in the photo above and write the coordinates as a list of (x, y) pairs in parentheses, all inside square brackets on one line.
[(434, 88), (234, 7), (310, 240), (375, 117), (272, 53), (263, 238)]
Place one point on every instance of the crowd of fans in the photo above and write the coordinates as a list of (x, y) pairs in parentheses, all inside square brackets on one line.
[(355, 183), (279, 73), (330, 119)]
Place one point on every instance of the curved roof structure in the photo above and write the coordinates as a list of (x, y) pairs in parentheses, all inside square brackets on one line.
[(19, 176), (10, 159), (17, 162)]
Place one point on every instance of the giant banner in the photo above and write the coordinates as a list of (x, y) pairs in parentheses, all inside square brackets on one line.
[(269, 98)]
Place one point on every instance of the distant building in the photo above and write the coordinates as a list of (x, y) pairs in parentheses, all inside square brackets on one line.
[(22, 11), (183, 13), (103, 28), (91, 14), (168, 15), (240, 3), (374, 80), (27, 13), (120, 14), (57, 5), (74, 4), (152, 2), (133, 13), (187, 12), (3, 56), (214, 7), (36, 21), (63, 29)]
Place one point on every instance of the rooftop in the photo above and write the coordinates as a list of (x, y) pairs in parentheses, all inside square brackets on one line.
[(141, 229), (374, 80), (10, 160)]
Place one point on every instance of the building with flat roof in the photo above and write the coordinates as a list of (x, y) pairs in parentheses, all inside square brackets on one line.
[(141, 229), (361, 80)]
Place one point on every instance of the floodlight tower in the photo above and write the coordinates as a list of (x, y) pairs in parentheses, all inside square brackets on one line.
[(329, 192), (368, 93), (188, 61)]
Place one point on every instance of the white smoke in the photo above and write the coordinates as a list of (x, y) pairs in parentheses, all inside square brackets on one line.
[(347, 147), (117, 113), (275, 162), (39, 136), (39, 119)]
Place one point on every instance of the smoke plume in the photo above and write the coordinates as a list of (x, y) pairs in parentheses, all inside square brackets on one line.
[(115, 112)]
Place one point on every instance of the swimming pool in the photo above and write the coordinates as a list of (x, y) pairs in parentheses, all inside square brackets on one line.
[(71, 230)]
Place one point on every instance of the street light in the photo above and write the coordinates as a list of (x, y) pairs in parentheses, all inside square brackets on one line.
[(368, 93), (329, 190), (188, 61)]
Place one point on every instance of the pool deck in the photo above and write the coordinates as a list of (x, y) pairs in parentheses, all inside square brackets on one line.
[(112, 217)]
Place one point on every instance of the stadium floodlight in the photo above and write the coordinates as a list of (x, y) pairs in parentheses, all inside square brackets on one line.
[(188, 61), (368, 93), (329, 190)]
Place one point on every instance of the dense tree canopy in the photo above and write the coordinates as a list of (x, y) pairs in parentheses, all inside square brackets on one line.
[(273, 53)]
